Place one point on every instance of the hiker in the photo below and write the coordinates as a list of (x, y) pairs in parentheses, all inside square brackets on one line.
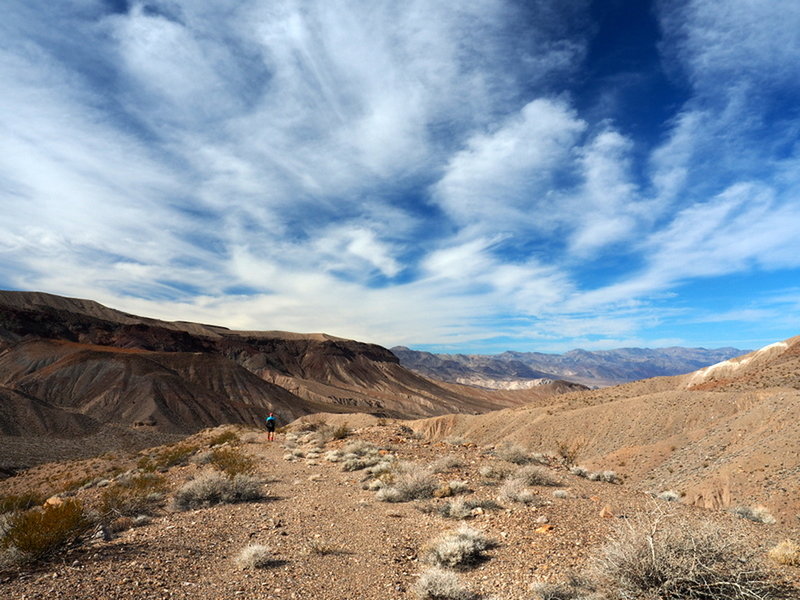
[(271, 427)]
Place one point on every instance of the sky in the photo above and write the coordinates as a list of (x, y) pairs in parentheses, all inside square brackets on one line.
[(472, 176)]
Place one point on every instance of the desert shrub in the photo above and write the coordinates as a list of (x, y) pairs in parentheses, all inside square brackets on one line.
[(37, 533), (574, 588), (415, 485), (438, 584), (757, 514), (580, 472), (133, 496), (494, 471), (786, 553), (357, 464), (515, 490), (311, 424), (608, 477), (560, 494), (341, 431), (464, 509), (254, 556), (513, 453), (532, 475), (232, 462), (446, 463), (169, 457), (459, 549), (669, 496), (666, 557), (569, 451), (16, 502), (216, 488), (451, 488), (227, 437), (322, 547)]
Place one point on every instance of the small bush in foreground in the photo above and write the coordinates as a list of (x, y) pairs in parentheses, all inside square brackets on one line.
[(417, 485), (513, 454), (438, 584), (537, 476), (216, 488), (575, 588), (133, 496), (569, 451), (494, 471), (786, 553), (757, 514), (451, 488), (514, 490), (670, 558), (223, 438), (446, 463), (464, 509), (254, 556), (459, 549), (37, 533), (17, 502), (232, 461)]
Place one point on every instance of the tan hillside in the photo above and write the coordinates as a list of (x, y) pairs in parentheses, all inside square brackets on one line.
[(720, 441)]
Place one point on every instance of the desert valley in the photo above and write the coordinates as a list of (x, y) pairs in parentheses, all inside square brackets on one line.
[(374, 466)]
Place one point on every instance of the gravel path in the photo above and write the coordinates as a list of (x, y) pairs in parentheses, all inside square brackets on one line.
[(331, 539)]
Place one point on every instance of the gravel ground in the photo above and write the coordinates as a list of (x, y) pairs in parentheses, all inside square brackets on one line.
[(331, 539)]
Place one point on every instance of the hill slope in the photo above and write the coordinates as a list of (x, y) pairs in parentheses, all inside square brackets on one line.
[(725, 435), (180, 377)]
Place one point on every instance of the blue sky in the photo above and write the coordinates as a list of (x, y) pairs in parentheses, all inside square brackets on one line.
[(452, 176)]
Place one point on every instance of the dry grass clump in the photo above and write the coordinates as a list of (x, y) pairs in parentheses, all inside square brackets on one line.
[(39, 532), (232, 461), (575, 588), (414, 485), (533, 475), (446, 463), (513, 453), (16, 502), (132, 496), (227, 437), (669, 496), (515, 490), (462, 508), (438, 584), (311, 424), (606, 476), (172, 456), (677, 558), (217, 488), (569, 451), (786, 553), (254, 556), (757, 514), (494, 472), (459, 549), (451, 488)]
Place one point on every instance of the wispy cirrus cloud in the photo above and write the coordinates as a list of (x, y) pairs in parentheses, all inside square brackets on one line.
[(401, 173)]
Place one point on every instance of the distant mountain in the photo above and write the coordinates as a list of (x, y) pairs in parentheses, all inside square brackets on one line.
[(597, 369), (70, 366)]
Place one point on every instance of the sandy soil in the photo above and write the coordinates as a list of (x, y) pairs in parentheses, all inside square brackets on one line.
[(331, 539)]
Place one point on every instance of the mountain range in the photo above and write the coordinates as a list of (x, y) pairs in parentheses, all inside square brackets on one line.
[(516, 370)]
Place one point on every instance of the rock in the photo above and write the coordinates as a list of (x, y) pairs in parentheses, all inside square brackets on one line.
[(606, 512)]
